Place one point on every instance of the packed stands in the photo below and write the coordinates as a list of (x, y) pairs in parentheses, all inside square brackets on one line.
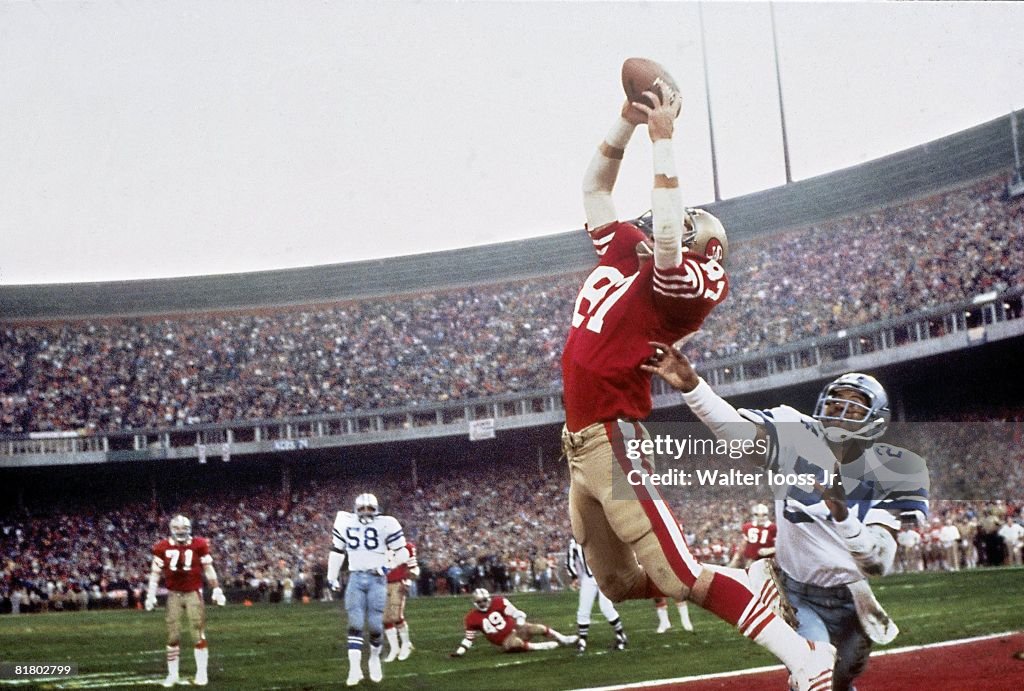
[(118, 374)]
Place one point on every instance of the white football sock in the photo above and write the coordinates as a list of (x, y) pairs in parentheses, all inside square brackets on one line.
[(173, 660), (202, 658)]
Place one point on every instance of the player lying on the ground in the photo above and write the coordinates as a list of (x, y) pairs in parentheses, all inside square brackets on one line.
[(504, 625)]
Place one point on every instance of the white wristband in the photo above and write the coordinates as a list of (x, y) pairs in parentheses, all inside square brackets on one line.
[(664, 158)]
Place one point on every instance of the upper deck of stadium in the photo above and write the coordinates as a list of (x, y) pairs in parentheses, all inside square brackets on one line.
[(980, 151)]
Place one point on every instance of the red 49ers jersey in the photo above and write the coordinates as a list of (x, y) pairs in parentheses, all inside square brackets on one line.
[(757, 537), (624, 304), (183, 564), (402, 571), (495, 624)]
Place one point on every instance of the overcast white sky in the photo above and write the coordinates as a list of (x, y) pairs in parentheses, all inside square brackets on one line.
[(146, 139)]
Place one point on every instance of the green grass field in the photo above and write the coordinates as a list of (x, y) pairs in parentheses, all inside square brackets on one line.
[(302, 646)]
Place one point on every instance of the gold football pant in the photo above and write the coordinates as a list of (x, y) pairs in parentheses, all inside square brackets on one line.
[(394, 610), (632, 542), (191, 606)]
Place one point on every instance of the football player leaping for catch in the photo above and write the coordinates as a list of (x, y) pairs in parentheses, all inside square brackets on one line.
[(642, 290), (183, 560), (504, 625)]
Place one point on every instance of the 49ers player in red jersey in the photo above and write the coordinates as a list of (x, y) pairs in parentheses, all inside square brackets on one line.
[(395, 626), (183, 560), (758, 538), (504, 625), (634, 545)]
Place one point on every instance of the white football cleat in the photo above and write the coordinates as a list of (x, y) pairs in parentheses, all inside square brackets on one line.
[(568, 640), (200, 680), (405, 651), (392, 654), (687, 627), (170, 681), (373, 665), (816, 672), (662, 628), (354, 677)]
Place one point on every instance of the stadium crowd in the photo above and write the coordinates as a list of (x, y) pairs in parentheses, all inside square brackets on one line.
[(117, 374), (495, 524)]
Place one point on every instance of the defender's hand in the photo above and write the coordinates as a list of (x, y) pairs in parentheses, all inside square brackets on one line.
[(334, 585), (672, 366), (150, 603), (835, 498), (218, 597)]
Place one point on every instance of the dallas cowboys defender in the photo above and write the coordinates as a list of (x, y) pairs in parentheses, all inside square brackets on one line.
[(829, 539), (363, 539)]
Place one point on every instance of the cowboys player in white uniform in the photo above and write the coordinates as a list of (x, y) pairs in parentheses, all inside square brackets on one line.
[(363, 539), (576, 565), (829, 538)]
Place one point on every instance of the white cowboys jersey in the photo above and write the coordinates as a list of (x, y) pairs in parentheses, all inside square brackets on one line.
[(367, 544), (882, 484)]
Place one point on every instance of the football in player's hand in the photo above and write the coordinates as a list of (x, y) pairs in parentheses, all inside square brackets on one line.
[(640, 75)]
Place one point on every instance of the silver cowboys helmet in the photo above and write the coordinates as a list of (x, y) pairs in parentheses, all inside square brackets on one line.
[(366, 507), (181, 529), (482, 599), (873, 418)]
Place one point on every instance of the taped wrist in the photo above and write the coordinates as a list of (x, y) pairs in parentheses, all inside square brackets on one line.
[(614, 144), (666, 208), (720, 417)]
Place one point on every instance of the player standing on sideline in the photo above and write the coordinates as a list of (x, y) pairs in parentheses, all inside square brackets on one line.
[(395, 626), (635, 546), (830, 539), (504, 625), (577, 567), (183, 560), (758, 538), (363, 539)]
